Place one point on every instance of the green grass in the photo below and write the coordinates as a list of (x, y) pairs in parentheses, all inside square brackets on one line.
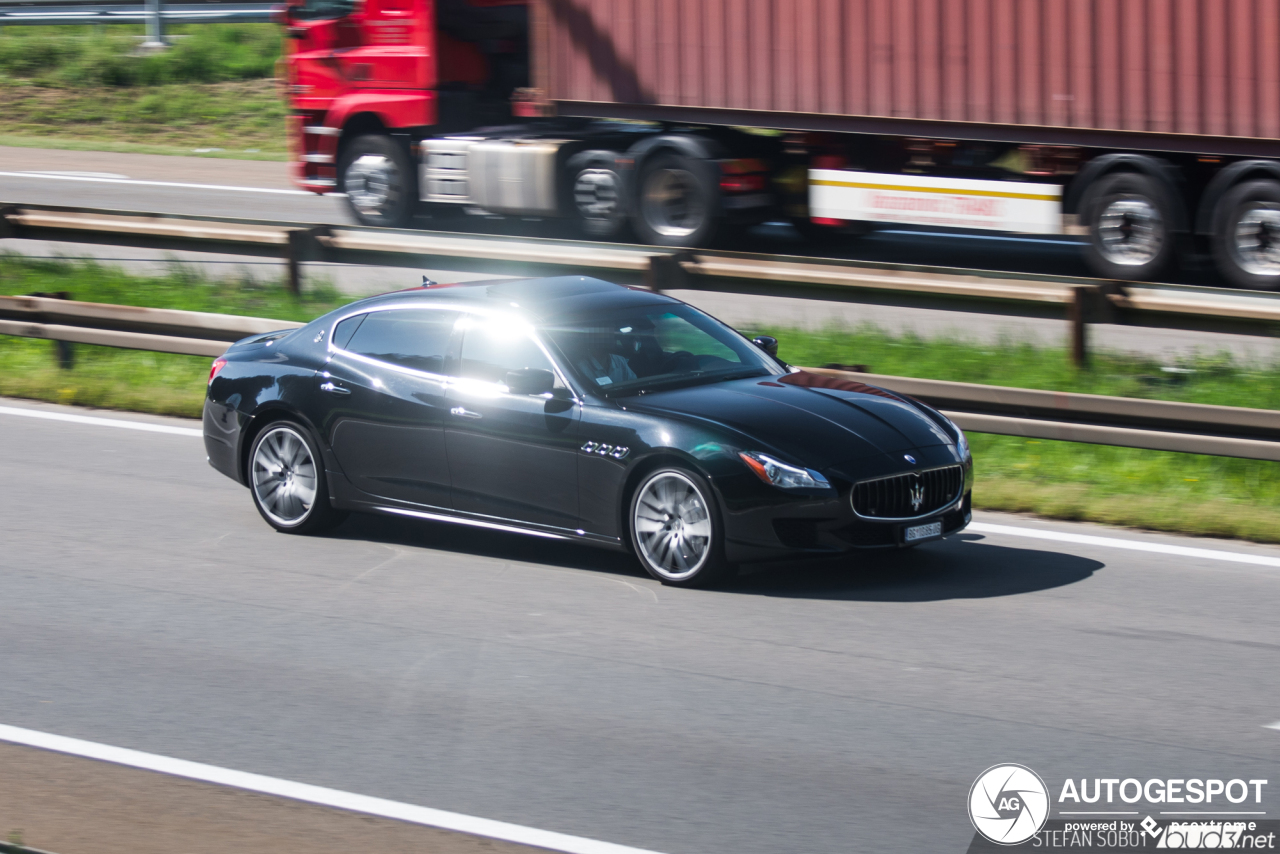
[(243, 119), (1203, 378), (88, 88), (104, 377), (1188, 493), (179, 288), (1158, 490), (79, 57), (114, 145)]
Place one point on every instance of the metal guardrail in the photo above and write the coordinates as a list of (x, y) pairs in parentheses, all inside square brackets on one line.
[(1128, 422), (44, 13), (1081, 301)]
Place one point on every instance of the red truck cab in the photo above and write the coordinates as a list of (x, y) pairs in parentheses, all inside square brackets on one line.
[(366, 77)]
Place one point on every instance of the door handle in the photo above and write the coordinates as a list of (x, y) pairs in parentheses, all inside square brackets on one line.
[(464, 413), (334, 389)]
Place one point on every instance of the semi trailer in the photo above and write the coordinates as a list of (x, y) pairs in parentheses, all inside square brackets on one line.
[(1150, 129)]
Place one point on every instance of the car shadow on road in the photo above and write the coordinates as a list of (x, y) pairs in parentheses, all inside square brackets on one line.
[(480, 542), (963, 567)]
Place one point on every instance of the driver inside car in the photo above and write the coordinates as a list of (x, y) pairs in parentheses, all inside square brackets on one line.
[(601, 363)]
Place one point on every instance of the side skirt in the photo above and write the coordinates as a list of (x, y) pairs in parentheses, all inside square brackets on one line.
[(505, 525)]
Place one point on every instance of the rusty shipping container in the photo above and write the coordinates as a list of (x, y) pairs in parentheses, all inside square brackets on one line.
[(1191, 75)]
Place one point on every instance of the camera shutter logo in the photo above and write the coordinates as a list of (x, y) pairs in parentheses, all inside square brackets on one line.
[(1008, 804)]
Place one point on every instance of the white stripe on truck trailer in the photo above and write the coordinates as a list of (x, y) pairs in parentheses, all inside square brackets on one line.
[(1014, 206)]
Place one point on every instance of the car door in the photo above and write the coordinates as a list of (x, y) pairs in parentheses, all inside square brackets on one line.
[(386, 381), (511, 455)]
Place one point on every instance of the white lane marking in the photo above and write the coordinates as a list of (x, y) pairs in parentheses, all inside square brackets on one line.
[(101, 422), (74, 174), (157, 183), (315, 794), (1132, 545), (1275, 725)]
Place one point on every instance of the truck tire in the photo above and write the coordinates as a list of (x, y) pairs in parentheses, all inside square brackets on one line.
[(379, 180), (677, 201), (1129, 216), (1246, 235), (597, 196)]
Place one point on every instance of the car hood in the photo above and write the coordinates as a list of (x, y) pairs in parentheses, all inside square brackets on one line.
[(813, 419)]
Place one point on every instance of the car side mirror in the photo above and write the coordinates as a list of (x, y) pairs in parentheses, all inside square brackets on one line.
[(530, 381), (767, 343)]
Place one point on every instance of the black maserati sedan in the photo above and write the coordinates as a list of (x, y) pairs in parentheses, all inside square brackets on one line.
[(574, 409)]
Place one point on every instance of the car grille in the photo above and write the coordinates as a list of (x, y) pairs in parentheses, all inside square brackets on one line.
[(891, 497)]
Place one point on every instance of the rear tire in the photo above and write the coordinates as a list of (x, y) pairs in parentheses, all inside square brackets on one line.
[(287, 480), (380, 182), (1130, 216), (1246, 235), (677, 202), (675, 529)]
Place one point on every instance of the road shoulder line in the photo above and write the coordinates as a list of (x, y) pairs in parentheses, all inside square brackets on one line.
[(314, 794), (101, 422), (1117, 543)]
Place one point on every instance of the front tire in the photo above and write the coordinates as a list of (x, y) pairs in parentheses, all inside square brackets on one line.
[(379, 180), (597, 197), (1246, 235), (287, 480), (675, 529), (1129, 217)]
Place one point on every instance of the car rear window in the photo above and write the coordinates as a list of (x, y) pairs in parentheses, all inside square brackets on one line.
[(410, 338)]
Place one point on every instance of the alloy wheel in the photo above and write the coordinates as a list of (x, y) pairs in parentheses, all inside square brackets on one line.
[(673, 526), (284, 476)]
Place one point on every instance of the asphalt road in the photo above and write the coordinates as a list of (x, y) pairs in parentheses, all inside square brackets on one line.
[(835, 707)]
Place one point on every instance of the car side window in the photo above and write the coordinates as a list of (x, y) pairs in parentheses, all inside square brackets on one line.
[(343, 331), (491, 349), (410, 338)]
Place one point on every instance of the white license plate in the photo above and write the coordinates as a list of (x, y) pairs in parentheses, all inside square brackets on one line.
[(923, 532)]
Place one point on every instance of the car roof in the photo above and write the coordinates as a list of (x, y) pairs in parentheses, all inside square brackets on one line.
[(541, 300)]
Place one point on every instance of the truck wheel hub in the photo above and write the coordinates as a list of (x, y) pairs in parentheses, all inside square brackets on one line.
[(1130, 232), (596, 194), (672, 205), (1257, 241), (370, 183)]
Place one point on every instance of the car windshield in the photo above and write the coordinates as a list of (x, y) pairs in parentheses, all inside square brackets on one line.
[(629, 351), (323, 10)]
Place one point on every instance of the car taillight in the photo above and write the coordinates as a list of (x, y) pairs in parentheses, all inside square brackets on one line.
[(216, 368)]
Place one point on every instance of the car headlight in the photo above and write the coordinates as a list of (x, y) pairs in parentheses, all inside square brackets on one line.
[(962, 442), (781, 475)]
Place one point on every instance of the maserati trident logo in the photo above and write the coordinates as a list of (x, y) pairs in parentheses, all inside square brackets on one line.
[(916, 495)]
